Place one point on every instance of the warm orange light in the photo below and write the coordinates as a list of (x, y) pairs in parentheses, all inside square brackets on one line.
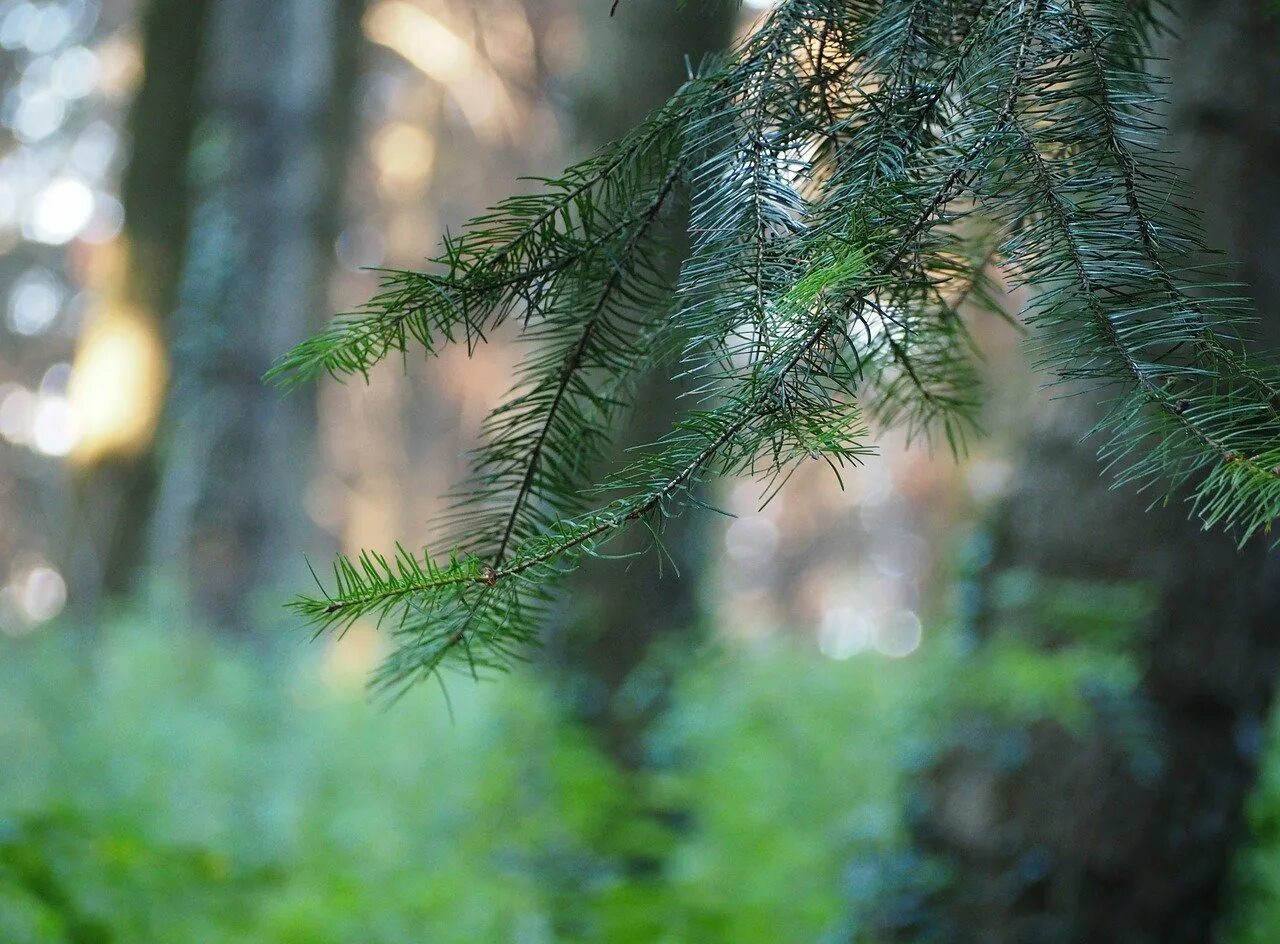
[(421, 38), (428, 44), (404, 155), (116, 387)]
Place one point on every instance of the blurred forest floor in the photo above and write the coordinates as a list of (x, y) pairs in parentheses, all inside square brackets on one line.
[(178, 786)]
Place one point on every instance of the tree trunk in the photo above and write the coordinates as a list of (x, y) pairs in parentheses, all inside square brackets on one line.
[(266, 168), (115, 491), (608, 662), (1053, 834)]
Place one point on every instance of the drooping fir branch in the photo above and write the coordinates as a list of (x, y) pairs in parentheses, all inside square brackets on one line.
[(543, 442), (852, 169), (1188, 407), (1110, 79), (886, 103)]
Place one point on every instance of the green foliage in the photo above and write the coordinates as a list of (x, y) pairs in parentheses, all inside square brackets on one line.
[(1049, 642), (1255, 917), (852, 169), (162, 786)]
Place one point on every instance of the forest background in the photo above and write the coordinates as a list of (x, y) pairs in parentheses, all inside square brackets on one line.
[(987, 699)]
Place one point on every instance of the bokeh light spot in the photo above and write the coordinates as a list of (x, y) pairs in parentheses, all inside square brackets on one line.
[(34, 302), (43, 594), (898, 634), (60, 211)]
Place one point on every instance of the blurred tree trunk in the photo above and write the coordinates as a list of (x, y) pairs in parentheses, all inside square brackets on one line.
[(610, 660), (1057, 835), (266, 169), (115, 494)]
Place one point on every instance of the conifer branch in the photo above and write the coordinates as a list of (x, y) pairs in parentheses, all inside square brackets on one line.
[(574, 363), (848, 166)]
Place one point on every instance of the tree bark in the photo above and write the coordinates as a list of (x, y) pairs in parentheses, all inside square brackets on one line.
[(1052, 834), (267, 165), (115, 494)]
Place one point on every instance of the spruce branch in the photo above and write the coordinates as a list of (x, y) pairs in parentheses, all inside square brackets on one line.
[(853, 170)]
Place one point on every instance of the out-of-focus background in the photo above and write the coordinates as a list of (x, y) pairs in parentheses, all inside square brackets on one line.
[(987, 700)]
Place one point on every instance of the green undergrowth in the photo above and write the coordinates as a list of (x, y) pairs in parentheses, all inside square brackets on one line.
[(163, 785)]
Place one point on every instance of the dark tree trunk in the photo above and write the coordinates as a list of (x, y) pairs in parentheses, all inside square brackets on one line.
[(266, 169), (115, 493), (1057, 835), (621, 619)]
